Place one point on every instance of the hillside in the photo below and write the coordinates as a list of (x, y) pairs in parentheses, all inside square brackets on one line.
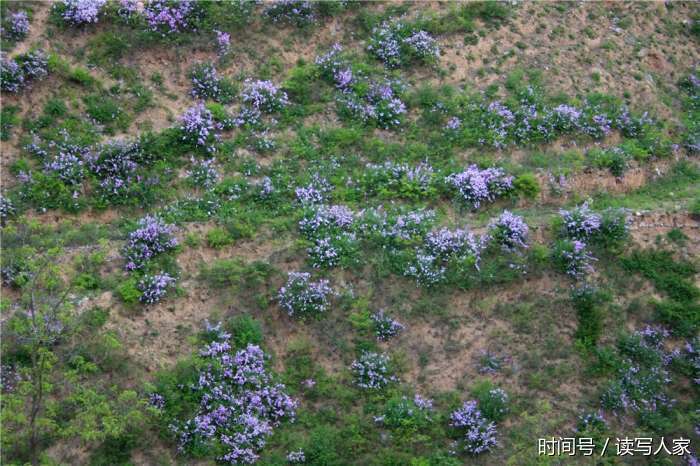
[(349, 233)]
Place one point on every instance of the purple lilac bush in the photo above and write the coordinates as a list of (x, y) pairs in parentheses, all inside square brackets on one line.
[(239, 403), (205, 82), (7, 209), (155, 287), (371, 371), (401, 177), (297, 12), (396, 43), (323, 217), (203, 173), (11, 75), (199, 127), (223, 42), (313, 193), (445, 243), (301, 297), (260, 97), (427, 269), (385, 327), (296, 457), (406, 413), (581, 222), (78, 12), (115, 166), (170, 16), (380, 105), (17, 73), (152, 237), (576, 258), (17, 25), (479, 433), (509, 231), (68, 164), (475, 186)]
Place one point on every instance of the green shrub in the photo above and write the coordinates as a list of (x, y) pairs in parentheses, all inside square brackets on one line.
[(493, 401), (527, 185), (244, 331), (219, 237), (587, 302), (128, 291)]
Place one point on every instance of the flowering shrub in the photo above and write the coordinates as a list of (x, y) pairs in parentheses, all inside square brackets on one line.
[(203, 173), (380, 104), (385, 327), (643, 378), (479, 434), (476, 186), (223, 42), (170, 16), (297, 12), (445, 243), (7, 209), (322, 218), (11, 75), (399, 178), (581, 222), (115, 165), (406, 414), (591, 422), (68, 164), (398, 43), (199, 127), (574, 258), (296, 457), (18, 73), (238, 403), (206, 84), (302, 298), (332, 250), (17, 25), (509, 231), (371, 371), (78, 12), (396, 229), (152, 237), (155, 287), (264, 96), (427, 269), (314, 192), (493, 402)]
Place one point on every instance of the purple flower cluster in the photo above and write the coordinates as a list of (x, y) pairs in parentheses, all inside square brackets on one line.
[(371, 371), (115, 165), (68, 164), (509, 231), (157, 401), (327, 251), (581, 222), (313, 193), (322, 218), (264, 96), (445, 243), (223, 42), (79, 12), (399, 176), (239, 403), (152, 237), (128, 8), (7, 209), (566, 117), (385, 327), (18, 25), (301, 297), (588, 422), (453, 124), (399, 228), (203, 173), (265, 188), (206, 83), (380, 105), (296, 457), (405, 412), (17, 73), (199, 126), (298, 12), (396, 43), (427, 269), (155, 287), (577, 259), (476, 186), (479, 433), (169, 15)]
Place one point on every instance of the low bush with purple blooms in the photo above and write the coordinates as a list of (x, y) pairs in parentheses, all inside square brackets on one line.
[(475, 186), (171, 16), (391, 178), (406, 415), (79, 12), (18, 73), (399, 43), (207, 84), (302, 298), (152, 237), (509, 231), (154, 287), (372, 371), (238, 403), (199, 128), (479, 435), (574, 258), (296, 12), (115, 165), (385, 327), (16, 25), (203, 174)]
